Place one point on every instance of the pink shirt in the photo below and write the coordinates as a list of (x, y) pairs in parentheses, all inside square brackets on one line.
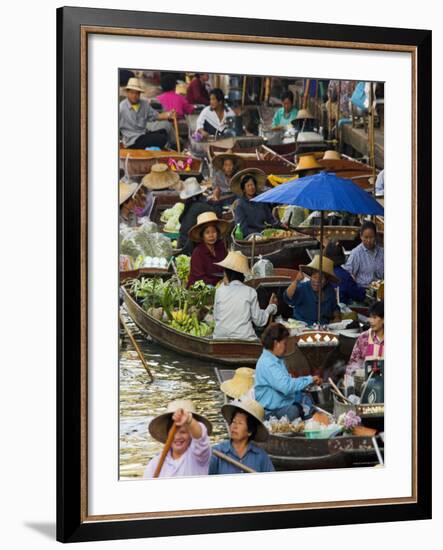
[(193, 462), (367, 346), (172, 100)]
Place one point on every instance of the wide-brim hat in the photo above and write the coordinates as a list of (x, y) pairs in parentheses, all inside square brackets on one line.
[(158, 426), (160, 177), (331, 155), (218, 161), (335, 252), (236, 261), (239, 384), (127, 190), (251, 407), (191, 188), (327, 268), (205, 219), (258, 175), (304, 113), (134, 84), (307, 162)]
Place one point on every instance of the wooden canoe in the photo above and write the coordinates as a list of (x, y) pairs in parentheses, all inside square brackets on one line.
[(141, 161), (296, 452), (235, 352)]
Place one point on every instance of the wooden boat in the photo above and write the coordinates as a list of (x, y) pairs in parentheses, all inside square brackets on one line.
[(288, 252), (140, 162), (284, 149), (296, 452), (235, 352), (348, 235)]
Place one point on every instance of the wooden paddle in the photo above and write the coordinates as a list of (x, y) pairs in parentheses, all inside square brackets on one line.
[(233, 462), (165, 450), (137, 349), (177, 137)]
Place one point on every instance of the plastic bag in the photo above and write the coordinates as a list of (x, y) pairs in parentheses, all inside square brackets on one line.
[(262, 268)]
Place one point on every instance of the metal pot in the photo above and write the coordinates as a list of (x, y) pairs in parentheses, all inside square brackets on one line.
[(320, 394)]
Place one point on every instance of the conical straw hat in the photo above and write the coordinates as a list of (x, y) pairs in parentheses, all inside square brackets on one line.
[(307, 162), (134, 84), (314, 267), (251, 407), (158, 426), (191, 188), (304, 113), (127, 190), (239, 384), (236, 261), (160, 177), (331, 155), (257, 174), (218, 161)]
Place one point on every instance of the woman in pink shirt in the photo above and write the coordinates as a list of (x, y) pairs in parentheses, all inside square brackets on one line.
[(190, 451), (170, 100)]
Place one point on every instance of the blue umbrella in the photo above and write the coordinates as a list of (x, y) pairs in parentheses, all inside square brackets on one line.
[(323, 191)]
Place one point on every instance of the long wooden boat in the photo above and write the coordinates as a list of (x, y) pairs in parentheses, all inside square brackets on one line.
[(234, 352), (288, 253), (296, 452), (140, 162)]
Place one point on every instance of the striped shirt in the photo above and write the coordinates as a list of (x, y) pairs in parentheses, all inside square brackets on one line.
[(366, 265), (133, 120)]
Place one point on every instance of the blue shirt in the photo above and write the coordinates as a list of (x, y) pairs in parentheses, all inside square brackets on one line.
[(305, 303), (366, 265), (255, 458), (349, 290), (274, 386), (252, 216)]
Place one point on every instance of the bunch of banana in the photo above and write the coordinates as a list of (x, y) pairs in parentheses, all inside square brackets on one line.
[(277, 180)]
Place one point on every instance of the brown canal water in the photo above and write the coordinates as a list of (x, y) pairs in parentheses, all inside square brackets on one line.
[(175, 377)]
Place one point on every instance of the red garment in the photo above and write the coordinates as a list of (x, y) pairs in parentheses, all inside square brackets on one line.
[(197, 92), (171, 100), (202, 264), (367, 346)]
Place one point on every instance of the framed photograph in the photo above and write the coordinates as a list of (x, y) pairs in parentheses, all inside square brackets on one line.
[(223, 224)]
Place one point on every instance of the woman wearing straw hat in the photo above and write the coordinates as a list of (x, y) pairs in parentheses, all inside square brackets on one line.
[(307, 165), (137, 115), (160, 178), (303, 296), (208, 234), (190, 451), (241, 385), (245, 420), (236, 307), (251, 216), (195, 204), (128, 202), (275, 389), (304, 121), (225, 167)]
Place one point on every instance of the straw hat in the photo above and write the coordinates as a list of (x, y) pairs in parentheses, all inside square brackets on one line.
[(251, 407), (258, 174), (218, 161), (239, 384), (134, 84), (191, 188), (127, 190), (304, 113), (331, 155), (327, 268), (160, 177), (205, 219), (307, 162), (158, 426), (236, 261)]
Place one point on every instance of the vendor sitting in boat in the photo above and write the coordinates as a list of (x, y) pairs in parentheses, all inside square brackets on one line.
[(236, 307), (245, 420), (190, 451), (195, 204), (371, 343), (208, 234), (349, 290), (252, 217), (287, 113), (212, 121), (366, 261), (170, 99), (128, 200), (140, 125), (303, 295), (278, 393), (225, 167)]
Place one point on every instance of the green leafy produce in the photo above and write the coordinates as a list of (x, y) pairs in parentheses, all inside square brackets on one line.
[(183, 266)]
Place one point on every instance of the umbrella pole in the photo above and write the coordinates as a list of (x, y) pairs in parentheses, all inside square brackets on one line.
[(321, 266)]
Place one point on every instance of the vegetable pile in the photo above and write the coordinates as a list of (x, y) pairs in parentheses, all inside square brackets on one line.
[(170, 218)]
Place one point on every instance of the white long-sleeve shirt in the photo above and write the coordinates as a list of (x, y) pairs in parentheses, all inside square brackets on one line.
[(193, 462), (236, 309), (210, 116)]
